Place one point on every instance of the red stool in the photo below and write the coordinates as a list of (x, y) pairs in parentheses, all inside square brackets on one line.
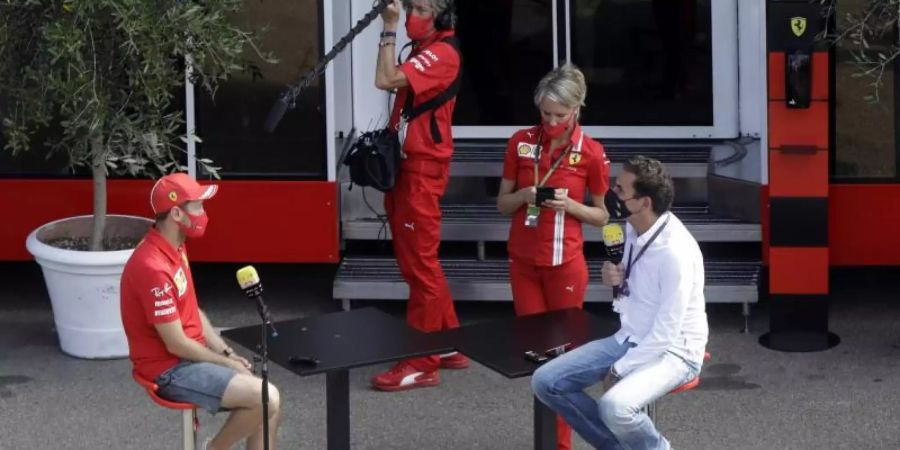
[(651, 408), (190, 424)]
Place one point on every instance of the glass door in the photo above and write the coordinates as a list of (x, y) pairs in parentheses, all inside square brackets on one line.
[(507, 46), (231, 122), (866, 147), (657, 68)]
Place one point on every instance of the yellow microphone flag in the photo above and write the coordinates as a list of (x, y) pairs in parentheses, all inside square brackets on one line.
[(247, 277), (613, 234)]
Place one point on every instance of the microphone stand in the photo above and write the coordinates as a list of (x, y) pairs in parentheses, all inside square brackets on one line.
[(255, 292)]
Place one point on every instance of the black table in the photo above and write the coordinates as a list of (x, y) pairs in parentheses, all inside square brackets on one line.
[(501, 344), (342, 341)]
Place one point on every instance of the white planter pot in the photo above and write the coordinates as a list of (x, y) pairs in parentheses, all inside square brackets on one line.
[(84, 286)]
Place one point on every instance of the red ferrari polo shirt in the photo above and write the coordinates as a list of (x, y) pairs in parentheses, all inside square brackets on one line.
[(430, 69), (558, 237), (157, 287)]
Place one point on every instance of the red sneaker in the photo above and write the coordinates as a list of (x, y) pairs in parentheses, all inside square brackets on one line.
[(404, 376), (454, 360)]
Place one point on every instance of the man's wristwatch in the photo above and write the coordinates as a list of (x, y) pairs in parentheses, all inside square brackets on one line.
[(385, 34)]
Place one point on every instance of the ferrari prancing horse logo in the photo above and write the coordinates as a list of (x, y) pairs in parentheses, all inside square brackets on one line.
[(798, 25), (574, 159)]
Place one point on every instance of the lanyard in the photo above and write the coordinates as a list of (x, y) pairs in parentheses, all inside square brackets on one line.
[(644, 248), (537, 158)]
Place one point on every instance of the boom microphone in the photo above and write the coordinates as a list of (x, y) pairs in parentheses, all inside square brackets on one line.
[(248, 280), (287, 99), (614, 240), (277, 112)]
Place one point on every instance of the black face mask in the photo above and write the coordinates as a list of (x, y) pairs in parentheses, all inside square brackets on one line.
[(615, 206)]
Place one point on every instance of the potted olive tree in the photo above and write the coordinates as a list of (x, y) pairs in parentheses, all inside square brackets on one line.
[(101, 78)]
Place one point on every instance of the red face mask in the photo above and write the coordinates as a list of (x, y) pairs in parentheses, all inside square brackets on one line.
[(555, 131), (419, 28), (197, 226)]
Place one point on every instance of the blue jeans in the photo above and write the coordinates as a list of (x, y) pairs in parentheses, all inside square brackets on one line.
[(616, 420)]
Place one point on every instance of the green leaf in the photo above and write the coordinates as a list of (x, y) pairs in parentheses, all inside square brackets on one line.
[(106, 72), (106, 67)]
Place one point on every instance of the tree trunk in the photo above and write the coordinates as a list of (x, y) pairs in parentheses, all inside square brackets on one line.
[(98, 170)]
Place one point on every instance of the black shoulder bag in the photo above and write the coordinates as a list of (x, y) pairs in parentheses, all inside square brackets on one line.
[(375, 157)]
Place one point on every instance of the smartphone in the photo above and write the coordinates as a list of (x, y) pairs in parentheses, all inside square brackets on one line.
[(544, 193), (535, 357), (553, 352), (303, 361)]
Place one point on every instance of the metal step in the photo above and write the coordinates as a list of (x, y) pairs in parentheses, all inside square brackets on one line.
[(485, 223), (361, 278), (684, 160)]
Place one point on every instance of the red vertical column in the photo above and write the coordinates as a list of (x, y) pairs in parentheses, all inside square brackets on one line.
[(798, 123)]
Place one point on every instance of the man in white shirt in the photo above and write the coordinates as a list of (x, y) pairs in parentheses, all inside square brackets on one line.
[(662, 340)]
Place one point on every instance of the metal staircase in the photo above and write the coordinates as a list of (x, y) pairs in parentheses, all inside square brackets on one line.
[(475, 158), (473, 217), (484, 223), (488, 280)]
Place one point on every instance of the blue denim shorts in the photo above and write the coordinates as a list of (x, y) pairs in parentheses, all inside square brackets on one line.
[(202, 384)]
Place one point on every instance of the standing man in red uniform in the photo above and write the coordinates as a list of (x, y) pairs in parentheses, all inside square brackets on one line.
[(413, 205), (546, 260), (171, 341)]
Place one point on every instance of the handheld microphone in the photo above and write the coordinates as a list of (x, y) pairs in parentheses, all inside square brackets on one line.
[(248, 280), (614, 240)]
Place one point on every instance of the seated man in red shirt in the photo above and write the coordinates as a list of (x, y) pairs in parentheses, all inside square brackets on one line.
[(171, 341)]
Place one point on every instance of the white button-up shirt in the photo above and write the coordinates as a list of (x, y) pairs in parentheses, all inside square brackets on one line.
[(665, 310)]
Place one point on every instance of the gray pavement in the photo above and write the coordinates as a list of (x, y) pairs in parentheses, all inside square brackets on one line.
[(749, 397)]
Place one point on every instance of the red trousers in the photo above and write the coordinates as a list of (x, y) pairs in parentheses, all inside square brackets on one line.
[(538, 289), (414, 213)]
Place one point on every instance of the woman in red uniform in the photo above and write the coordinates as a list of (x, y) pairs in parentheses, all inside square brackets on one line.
[(556, 158)]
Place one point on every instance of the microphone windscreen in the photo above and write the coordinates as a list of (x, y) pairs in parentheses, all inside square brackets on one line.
[(613, 235), (275, 114), (247, 277)]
